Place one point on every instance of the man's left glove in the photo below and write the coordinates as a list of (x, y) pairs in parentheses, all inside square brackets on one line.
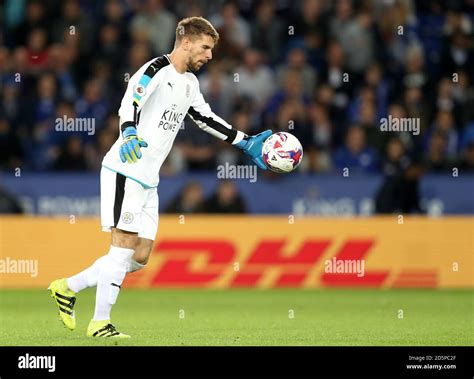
[(253, 146), (130, 148)]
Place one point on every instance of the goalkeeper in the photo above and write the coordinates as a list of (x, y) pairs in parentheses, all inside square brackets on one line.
[(158, 97)]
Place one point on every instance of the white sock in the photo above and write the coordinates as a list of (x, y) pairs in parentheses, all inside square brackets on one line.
[(111, 276), (86, 278)]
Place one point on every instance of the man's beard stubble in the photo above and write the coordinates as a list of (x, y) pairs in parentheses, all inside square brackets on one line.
[(194, 66)]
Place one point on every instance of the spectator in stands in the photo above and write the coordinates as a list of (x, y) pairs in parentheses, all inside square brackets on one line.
[(37, 50), (35, 18), (463, 95), (61, 58), (458, 53), (336, 75), (435, 158), (321, 126), (399, 190), (102, 71), (318, 146), (234, 31), (355, 155), (415, 75), (444, 123), (8, 203), (114, 14), (367, 118), (226, 199), (46, 140), (11, 151), (291, 93), (10, 104), (268, 33), (341, 19), (74, 23), (296, 60), (256, 80), (110, 45), (93, 104), (466, 162), (292, 118), (198, 148), (191, 8), (466, 158), (190, 200), (20, 63), (105, 138), (327, 97), (398, 29), (5, 61), (374, 78), (44, 104), (71, 156), (155, 24), (416, 106), (310, 18), (357, 41), (398, 111), (445, 95), (226, 153), (219, 89), (138, 53)]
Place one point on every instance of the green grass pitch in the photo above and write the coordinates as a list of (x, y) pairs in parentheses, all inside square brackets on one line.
[(250, 317)]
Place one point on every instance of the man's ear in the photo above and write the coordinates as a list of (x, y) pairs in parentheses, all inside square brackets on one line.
[(185, 43)]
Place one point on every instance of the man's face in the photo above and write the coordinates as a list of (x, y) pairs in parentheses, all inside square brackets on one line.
[(199, 52)]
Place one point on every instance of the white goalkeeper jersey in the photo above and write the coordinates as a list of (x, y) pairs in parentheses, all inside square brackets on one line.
[(156, 101)]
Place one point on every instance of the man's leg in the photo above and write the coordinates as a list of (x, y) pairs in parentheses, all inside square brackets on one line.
[(122, 214), (125, 245), (88, 277), (142, 253), (113, 271), (131, 214)]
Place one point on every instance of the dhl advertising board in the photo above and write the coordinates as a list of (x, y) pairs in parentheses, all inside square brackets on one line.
[(253, 252)]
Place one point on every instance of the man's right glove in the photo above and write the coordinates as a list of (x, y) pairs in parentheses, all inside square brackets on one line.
[(252, 145), (130, 148)]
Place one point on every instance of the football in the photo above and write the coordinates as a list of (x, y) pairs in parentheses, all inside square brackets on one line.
[(282, 152)]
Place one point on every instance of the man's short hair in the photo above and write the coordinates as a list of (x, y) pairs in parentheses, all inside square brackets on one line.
[(195, 26)]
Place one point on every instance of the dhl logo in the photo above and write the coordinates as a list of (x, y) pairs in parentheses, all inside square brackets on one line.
[(218, 263)]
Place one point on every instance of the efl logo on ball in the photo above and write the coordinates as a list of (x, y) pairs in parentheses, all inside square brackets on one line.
[(282, 152)]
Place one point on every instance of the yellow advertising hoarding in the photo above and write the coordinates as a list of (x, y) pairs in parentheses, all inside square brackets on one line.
[(253, 251)]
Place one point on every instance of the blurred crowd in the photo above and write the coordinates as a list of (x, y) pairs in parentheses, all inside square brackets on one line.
[(326, 71)]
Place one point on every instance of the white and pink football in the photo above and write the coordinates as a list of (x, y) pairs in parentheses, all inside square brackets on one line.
[(282, 152)]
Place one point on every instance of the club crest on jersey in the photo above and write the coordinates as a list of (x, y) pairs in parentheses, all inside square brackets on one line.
[(127, 218), (139, 89), (188, 90)]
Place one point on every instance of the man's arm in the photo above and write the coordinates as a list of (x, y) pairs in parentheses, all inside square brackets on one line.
[(201, 113), (139, 89)]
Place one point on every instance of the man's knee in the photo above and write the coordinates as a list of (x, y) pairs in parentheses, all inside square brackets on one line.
[(143, 251), (140, 257)]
